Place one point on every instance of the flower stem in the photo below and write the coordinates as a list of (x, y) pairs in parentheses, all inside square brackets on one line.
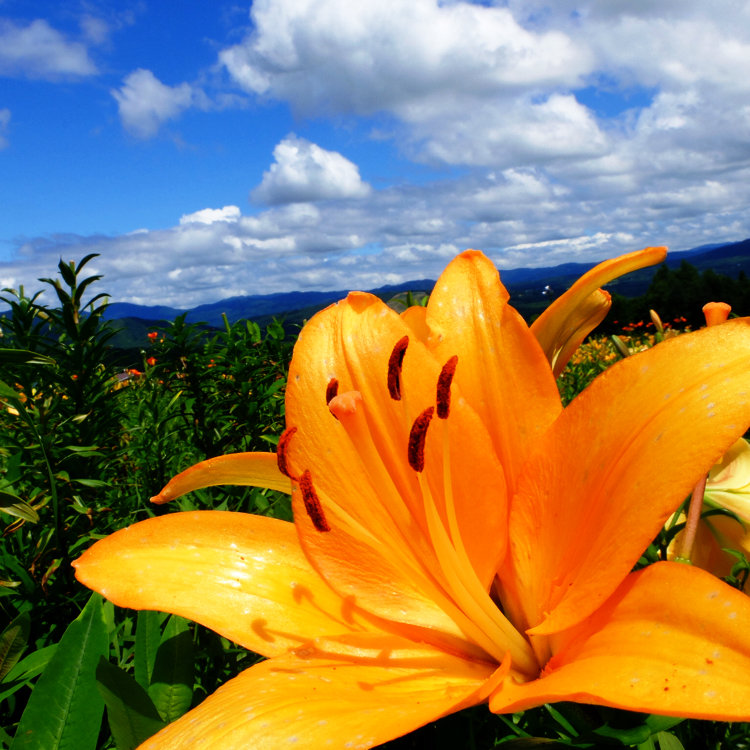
[(691, 524)]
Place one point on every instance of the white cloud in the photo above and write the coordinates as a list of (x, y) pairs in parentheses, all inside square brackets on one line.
[(468, 84), (145, 103), (520, 132), (364, 57), (304, 172), (95, 29), (4, 126), (520, 217), (37, 50), (211, 215)]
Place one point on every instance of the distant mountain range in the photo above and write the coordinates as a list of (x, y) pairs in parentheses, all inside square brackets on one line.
[(728, 259)]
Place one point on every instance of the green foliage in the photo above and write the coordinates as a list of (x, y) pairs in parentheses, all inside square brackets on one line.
[(85, 441), (131, 714), (65, 708)]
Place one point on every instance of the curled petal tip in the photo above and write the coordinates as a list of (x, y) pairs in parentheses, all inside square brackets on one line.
[(243, 469), (572, 316)]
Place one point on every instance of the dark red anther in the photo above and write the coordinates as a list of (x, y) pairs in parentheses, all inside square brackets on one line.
[(417, 437), (444, 387), (332, 390), (281, 451), (312, 502), (395, 362)]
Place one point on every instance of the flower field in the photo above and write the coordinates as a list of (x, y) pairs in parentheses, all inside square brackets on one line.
[(400, 481)]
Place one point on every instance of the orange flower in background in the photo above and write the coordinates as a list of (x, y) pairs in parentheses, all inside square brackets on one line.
[(151, 361), (716, 312), (152, 335), (459, 537)]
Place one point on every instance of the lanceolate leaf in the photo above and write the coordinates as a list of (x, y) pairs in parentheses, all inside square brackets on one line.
[(25, 671), (668, 741), (171, 686), (147, 640), (24, 357), (13, 642), (131, 714), (65, 708), (16, 506)]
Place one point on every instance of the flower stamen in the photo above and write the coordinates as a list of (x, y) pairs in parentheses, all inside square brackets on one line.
[(395, 363), (417, 437), (443, 399), (281, 451), (312, 502), (332, 390)]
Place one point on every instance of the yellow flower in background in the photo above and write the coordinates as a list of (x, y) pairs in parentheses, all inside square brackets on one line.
[(727, 487), (728, 484), (459, 537)]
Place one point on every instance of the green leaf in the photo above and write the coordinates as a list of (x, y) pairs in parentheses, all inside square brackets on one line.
[(17, 507), (67, 272), (8, 393), (65, 709), (23, 357), (657, 723), (13, 642), (668, 741), (91, 483), (131, 714), (83, 450), (171, 686), (147, 640), (30, 666), (84, 261)]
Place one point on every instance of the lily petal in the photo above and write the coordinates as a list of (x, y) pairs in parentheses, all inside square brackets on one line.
[(580, 321), (651, 650), (359, 443), (246, 469), (387, 688), (502, 371), (574, 314), (416, 318), (241, 575), (620, 459)]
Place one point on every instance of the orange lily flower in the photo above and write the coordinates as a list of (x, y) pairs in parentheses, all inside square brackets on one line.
[(459, 537), (562, 327)]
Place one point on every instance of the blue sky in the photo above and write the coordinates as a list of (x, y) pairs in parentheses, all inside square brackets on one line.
[(212, 149)]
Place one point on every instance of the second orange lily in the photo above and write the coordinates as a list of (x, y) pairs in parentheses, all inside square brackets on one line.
[(459, 537)]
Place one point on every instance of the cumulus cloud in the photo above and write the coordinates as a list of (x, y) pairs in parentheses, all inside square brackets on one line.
[(36, 50), (365, 57), (305, 172), (211, 215), (144, 102), (4, 126), (426, 63), (468, 84)]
